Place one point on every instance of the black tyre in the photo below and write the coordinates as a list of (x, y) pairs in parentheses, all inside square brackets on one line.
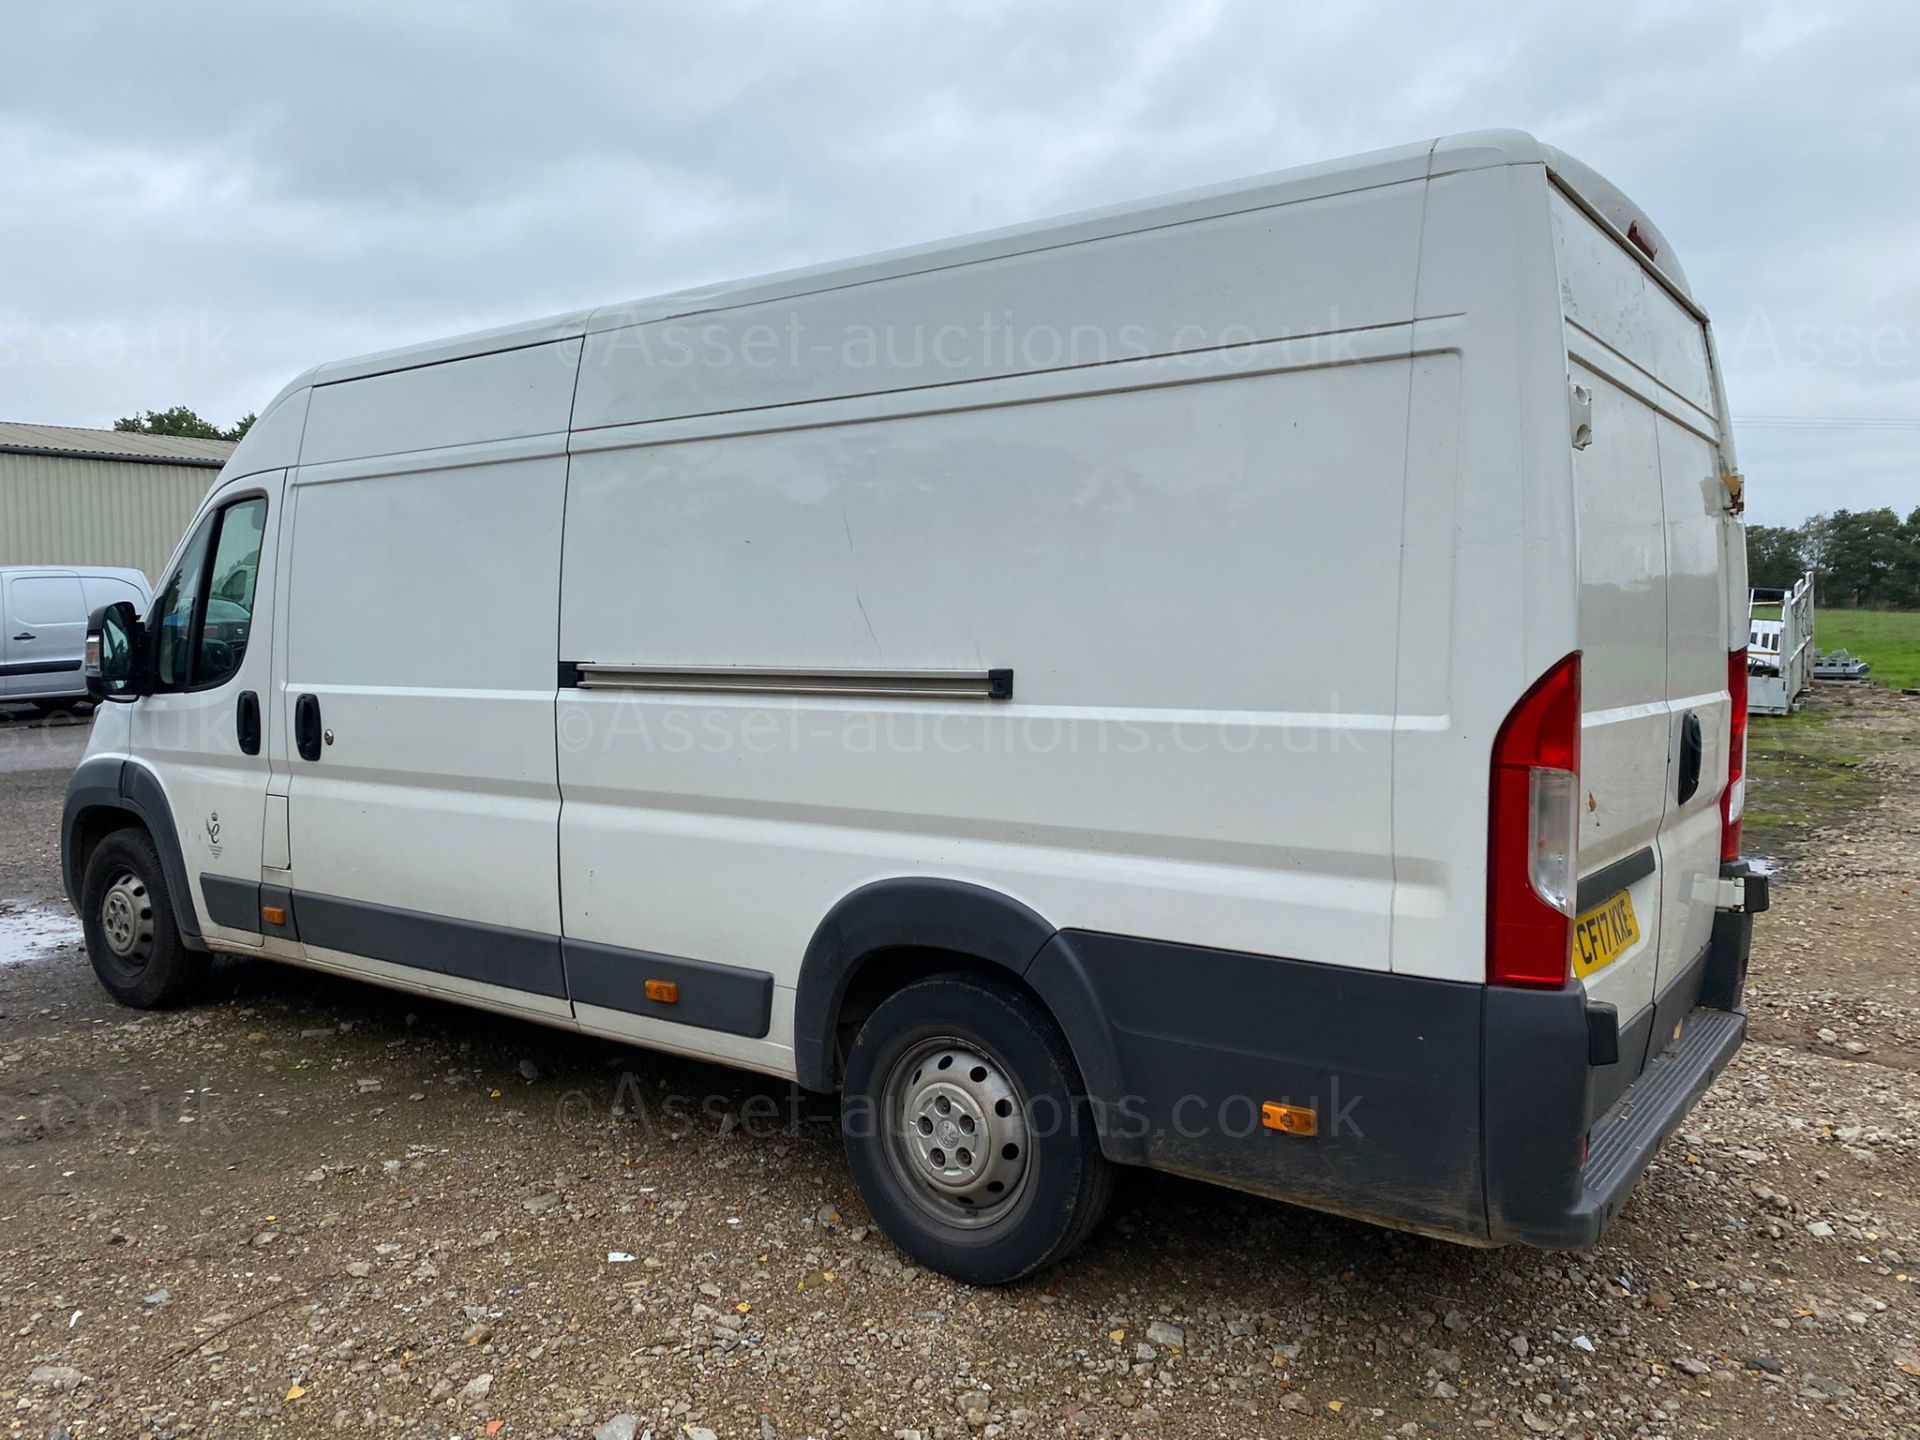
[(968, 1133), (128, 918)]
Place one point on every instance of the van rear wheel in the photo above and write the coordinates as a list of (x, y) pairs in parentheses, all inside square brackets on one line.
[(127, 915), (967, 1131)]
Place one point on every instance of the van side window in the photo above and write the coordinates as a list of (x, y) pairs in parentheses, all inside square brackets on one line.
[(227, 618), (204, 617), (172, 623)]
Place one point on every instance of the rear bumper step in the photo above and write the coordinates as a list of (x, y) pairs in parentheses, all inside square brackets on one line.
[(1622, 1142)]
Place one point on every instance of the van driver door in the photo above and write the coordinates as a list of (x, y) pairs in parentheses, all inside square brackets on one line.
[(200, 733)]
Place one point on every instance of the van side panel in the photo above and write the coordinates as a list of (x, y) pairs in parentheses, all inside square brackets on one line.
[(44, 639), (1194, 585), (488, 398), (1318, 266), (434, 671), (436, 793), (112, 589), (1488, 580)]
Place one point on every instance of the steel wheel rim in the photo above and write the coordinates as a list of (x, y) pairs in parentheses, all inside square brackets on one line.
[(126, 919), (958, 1137)]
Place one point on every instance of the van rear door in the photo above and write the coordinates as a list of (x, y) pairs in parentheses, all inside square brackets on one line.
[(1700, 535), (1653, 623), (1624, 729)]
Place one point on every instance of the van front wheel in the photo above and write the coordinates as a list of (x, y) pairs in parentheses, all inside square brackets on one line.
[(127, 915), (967, 1131)]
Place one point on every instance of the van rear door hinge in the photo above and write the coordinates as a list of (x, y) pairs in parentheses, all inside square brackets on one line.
[(1579, 414)]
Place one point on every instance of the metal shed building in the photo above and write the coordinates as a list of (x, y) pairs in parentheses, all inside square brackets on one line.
[(99, 497)]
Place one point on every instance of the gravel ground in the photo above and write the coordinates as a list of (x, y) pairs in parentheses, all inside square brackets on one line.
[(310, 1206)]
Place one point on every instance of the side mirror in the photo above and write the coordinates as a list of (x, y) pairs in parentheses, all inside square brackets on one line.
[(116, 653)]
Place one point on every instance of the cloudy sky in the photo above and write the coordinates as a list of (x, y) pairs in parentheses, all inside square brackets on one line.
[(202, 200)]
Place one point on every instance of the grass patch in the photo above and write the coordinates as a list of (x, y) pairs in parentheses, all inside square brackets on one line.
[(1805, 771), (1889, 640)]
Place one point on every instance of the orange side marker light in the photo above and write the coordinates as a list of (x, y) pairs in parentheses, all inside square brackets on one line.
[(666, 992), (1290, 1119), (273, 914)]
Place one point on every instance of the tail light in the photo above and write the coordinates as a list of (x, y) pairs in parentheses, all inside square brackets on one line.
[(1733, 801), (1533, 843)]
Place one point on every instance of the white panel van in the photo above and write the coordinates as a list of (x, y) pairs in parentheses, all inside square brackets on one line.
[(43, 627), (1249, 683)]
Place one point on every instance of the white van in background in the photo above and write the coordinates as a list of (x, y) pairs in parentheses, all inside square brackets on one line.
[(43, 628), (887, 676)]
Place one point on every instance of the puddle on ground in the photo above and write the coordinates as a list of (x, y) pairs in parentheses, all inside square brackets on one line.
[(29, 932)]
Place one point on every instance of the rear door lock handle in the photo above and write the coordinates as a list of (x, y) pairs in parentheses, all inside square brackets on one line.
[(1692, 751)]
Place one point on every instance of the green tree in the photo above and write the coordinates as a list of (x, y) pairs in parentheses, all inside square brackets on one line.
[(1864, 557), (1776, 556), (1906, 565), (181, 420)]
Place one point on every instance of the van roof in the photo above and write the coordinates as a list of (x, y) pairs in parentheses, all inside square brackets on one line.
[(1473, 150)]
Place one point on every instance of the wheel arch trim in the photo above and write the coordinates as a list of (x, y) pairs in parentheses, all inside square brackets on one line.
[(113, 782), (932, 913)]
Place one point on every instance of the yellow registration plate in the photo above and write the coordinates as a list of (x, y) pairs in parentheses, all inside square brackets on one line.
[(1603, 934)]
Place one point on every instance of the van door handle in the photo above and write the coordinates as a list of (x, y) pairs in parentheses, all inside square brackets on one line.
[(24, 635), (246, 722), (306, 726), (1692, 744)]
